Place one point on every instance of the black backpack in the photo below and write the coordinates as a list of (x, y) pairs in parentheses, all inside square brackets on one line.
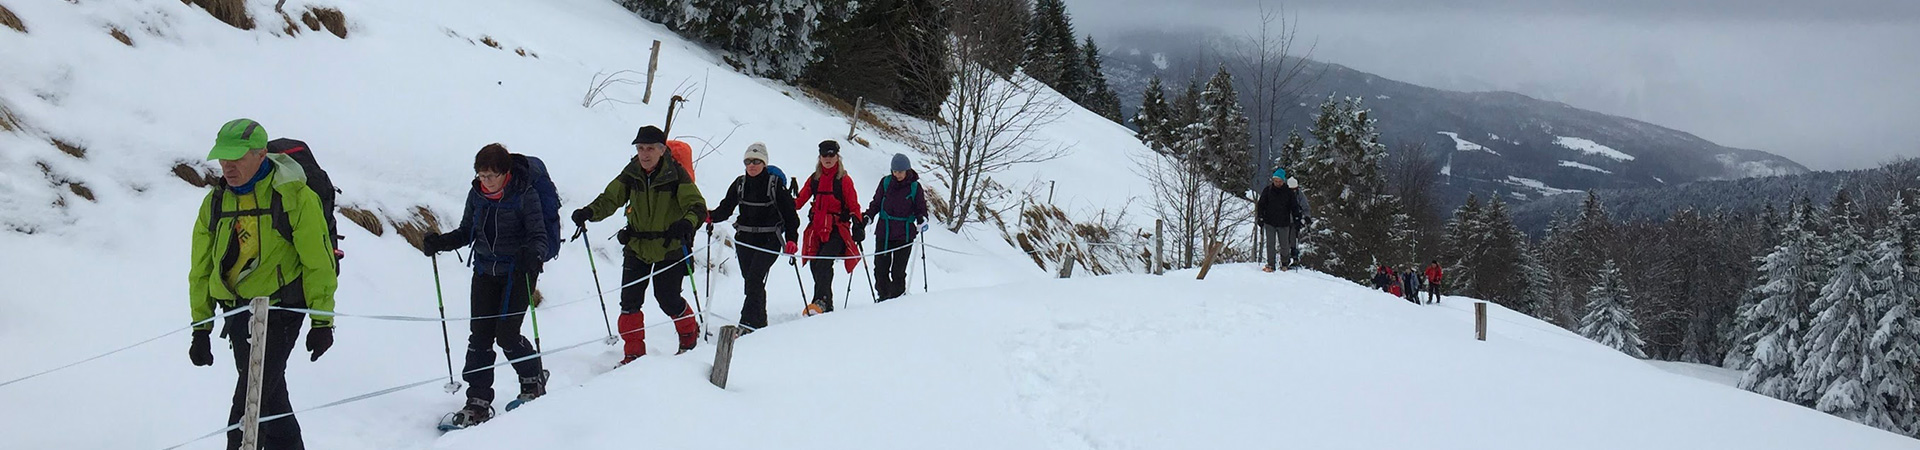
[(317, 180)]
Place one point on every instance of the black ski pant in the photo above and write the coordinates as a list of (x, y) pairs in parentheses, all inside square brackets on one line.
[(283, 328), (823, 270), (666, 285), (892, 266), (756, 264), (495, 295)]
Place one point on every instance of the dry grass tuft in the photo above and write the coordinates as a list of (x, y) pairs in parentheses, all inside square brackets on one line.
[(120, 36), (868, 120), (330, 19), (415, 228), (81, 190), (10, 20), (365, 219), (7, 121), (232, 12), (195, 174), (488, 40), (70, 149)]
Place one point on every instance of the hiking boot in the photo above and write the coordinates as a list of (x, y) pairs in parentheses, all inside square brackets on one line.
[(1267, 269), (629, 358), (476, 412), (535, 386)]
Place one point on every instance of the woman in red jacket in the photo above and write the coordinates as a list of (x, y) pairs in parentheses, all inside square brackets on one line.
[(831, 231)]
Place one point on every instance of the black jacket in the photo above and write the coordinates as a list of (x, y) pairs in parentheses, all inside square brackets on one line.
[(764, 206), (500, 230), (1280, 206)]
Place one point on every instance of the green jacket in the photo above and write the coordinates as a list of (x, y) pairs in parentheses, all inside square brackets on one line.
[(654, 202), (295, 273)]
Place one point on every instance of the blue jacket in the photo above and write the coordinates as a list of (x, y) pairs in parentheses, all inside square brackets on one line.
[(501, 230)]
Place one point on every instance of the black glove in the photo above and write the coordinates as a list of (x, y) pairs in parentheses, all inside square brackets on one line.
[(201, 352), (527, 260), (581, 216), (681, 229), (859, 231), (430, 243), (319, 339)]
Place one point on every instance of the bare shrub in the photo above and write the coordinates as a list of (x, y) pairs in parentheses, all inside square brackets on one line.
[(11, 21), (231, 12)]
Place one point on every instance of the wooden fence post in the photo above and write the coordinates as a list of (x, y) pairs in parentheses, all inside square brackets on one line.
[(1480, 320), (1159, 244), (1206, 264), (653, 64), (723, 356), (853, 123), (256, 372)]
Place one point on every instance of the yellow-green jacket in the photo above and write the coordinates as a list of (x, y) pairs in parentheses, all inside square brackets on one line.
[(295, 266)]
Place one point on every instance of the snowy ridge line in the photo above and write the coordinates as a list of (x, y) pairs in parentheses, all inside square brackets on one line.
[(1522, 325), (495, 316), (412, 385), (128, 347)]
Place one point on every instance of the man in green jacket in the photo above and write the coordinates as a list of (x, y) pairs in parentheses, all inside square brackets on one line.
[(662, 206), (260, 234)]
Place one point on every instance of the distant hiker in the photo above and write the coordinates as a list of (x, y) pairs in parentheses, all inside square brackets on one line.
[(830, 227), (902, 213), (1410, 282), (1393, 283), (260, 234), (1381, 280), (505, 224), (1433, 281), (1280, 212), (767, 220), (662, 205)]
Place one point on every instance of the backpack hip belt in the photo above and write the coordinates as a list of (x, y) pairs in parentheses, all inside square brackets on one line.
[(748, 229)]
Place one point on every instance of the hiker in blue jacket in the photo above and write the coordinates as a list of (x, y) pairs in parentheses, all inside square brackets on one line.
[(505, 225)]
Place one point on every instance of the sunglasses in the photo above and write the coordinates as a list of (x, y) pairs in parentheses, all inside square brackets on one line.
[(489, 176), (755, 162)]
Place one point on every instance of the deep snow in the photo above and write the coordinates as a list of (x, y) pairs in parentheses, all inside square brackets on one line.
[(997, 356)]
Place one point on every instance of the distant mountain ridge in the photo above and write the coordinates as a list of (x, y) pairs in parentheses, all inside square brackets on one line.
[(1490, 143)]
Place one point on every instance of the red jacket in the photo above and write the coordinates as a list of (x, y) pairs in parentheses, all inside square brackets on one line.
[(832, 214), (1433, 273)]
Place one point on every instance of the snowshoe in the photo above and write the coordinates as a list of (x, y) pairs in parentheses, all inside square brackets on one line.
[(476, 412), (530, 388)]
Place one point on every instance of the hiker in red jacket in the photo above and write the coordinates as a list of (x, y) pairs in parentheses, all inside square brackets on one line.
[(831, 228), (1433, 281)]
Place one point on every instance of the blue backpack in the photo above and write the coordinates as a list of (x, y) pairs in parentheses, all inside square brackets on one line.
[(549, 201)]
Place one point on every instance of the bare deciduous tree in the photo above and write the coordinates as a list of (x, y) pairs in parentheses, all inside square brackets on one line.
[(1276, 80), (988, 124)]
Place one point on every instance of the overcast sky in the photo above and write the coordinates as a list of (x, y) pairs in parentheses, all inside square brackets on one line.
[(1832, 84)]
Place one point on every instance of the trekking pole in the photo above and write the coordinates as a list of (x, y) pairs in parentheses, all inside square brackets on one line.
[(445, 342), (923, 265), (872, 295), (697, 309), (533, 310), (795, 262), (604, 318), (703, 324)]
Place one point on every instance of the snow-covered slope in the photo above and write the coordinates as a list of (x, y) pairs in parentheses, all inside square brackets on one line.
[(996, 356)]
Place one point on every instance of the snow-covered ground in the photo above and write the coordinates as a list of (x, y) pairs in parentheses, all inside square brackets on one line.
[(1712, 374), (1465, 145), (1590, 147), (1584, 167), (1537, 185), (996, 356)]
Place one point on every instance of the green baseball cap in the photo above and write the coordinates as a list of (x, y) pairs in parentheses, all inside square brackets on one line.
[(237, 138)]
